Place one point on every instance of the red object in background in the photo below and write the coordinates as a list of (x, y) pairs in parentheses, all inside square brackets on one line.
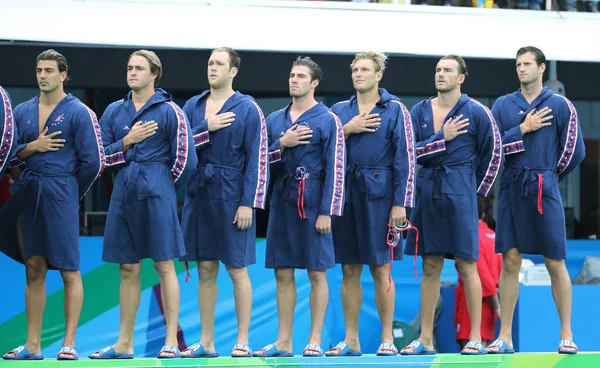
[(5, 184), (489, 267)]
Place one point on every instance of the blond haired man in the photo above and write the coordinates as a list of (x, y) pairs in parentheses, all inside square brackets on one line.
[(379, 187), (148, 136)]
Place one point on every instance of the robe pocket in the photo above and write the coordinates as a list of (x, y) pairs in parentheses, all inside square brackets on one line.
[(56, 188), (378, 183), (151, 182), (455, 183), (228, 185)]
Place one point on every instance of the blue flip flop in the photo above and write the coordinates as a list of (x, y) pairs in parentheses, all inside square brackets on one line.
[(21, 353), (67, 353), (475, 346), (342, 349), (109, 353), (502, 347), (197, 351), (271, 351), (241, 347), (566, 347), (170, 352), (417, 349), (312, 347), (389, 347)]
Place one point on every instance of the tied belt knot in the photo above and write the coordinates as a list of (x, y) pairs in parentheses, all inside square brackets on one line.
[(530, 175), (352, 170), (300, 175), (28, 175)]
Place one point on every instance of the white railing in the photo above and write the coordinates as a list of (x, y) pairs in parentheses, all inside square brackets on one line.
[(302, 27)]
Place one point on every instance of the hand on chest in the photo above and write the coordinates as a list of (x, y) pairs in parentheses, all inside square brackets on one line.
[(124, 126), (377, 125), (538, 114), (313, 127), (453, 126), (299, 135), (31, 128)]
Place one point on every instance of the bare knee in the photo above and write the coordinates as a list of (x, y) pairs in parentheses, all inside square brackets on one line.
[(70, 277), (36, 269), (432, 266), (207, 271), (238, 274), (285, 275), (511, 261), (467, 268), (352, 272), (380, 273), (164, 268), (130, 271), (317, 277), (555, 267)]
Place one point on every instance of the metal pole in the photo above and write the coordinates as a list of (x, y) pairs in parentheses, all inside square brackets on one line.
[(553, 72)]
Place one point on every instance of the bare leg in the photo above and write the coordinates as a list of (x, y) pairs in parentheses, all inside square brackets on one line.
[(207, 300), (319, 298), (509, 293), (242, 293), (129, 304), (73, 304), (562, 293), (169, 292), (470, 275), (36, 269), (286, 304), (430, 292), (385, 302), (351, 301)]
